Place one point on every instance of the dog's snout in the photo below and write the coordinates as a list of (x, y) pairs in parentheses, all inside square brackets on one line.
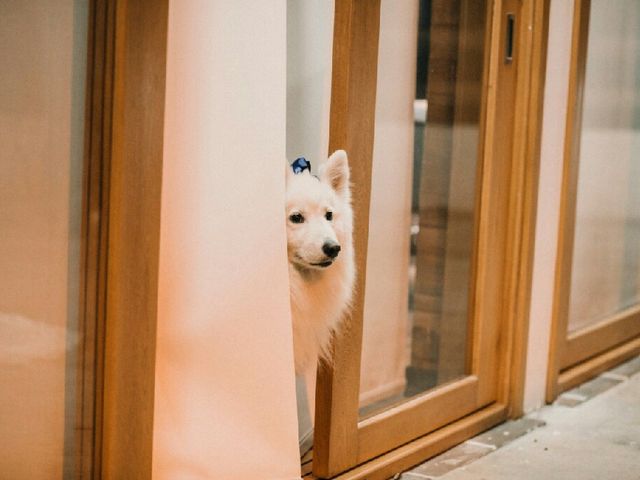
[(331, 249)]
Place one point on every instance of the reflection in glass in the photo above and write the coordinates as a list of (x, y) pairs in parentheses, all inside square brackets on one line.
[(423, 200), (43, 51), (606, 257)]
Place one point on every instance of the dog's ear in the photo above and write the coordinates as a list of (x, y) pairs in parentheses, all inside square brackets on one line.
[(335, 172)]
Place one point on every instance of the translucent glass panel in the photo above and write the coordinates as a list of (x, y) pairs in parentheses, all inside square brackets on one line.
[(42, 93), (606, 257), (421, 235)]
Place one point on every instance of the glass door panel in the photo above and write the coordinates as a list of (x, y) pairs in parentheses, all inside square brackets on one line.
[(605, 277), (597, 309), (423, 199), (43, 53), (436, 222)]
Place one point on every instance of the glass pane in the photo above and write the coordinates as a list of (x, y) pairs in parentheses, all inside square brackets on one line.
[(423, 198), (606, 257), (42, 91)]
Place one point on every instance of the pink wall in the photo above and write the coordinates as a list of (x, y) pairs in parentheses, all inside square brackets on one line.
[(550, 182), (225, 390)]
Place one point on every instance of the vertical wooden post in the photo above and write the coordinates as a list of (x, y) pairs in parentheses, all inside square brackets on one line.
[(353, 93), (94, 238), (134, 237), (531, 53)]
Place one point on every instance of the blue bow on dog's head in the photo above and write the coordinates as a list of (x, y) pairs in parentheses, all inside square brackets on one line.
[(300, 165)]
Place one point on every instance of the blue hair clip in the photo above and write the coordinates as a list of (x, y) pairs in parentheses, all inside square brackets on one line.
[(300, 165)]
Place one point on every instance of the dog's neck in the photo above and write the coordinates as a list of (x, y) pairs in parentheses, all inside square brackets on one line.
[(307, 274)]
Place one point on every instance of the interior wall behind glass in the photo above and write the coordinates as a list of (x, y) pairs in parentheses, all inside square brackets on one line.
[(309, 56), (42, 91), (385, 328), (422, 199)]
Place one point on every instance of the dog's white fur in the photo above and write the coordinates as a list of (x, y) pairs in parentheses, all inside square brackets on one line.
[(320, 295)]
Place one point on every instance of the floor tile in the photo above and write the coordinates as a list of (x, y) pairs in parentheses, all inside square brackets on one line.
[(509, 431), (598, 440), (569, 399), (413, 476), (456, 457), (595, 387), (629, 368)]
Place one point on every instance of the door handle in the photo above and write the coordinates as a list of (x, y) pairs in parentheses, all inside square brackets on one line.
[(509, 38)]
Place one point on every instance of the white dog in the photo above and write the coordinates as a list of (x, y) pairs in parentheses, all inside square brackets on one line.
[(320, 249)]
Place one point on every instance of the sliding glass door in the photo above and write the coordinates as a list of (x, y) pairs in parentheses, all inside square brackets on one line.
[(598, 288), (424, 97)]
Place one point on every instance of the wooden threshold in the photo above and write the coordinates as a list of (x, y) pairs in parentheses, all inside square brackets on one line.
[(594, 366), (423, 448), (306, 469)]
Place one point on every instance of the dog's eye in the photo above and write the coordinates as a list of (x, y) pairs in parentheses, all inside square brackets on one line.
[(296, 218), (328, 216)]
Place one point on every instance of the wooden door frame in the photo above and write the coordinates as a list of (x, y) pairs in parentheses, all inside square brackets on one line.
[(352, 122), (96, 167), (576, 356), (352, 125), (120, 237)]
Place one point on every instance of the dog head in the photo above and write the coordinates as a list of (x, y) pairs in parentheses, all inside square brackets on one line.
[(318, 213)]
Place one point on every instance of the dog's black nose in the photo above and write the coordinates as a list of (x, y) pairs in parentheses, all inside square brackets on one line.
[(331, 249)]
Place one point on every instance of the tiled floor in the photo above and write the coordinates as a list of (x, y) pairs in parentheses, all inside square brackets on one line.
[(590, 433)]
